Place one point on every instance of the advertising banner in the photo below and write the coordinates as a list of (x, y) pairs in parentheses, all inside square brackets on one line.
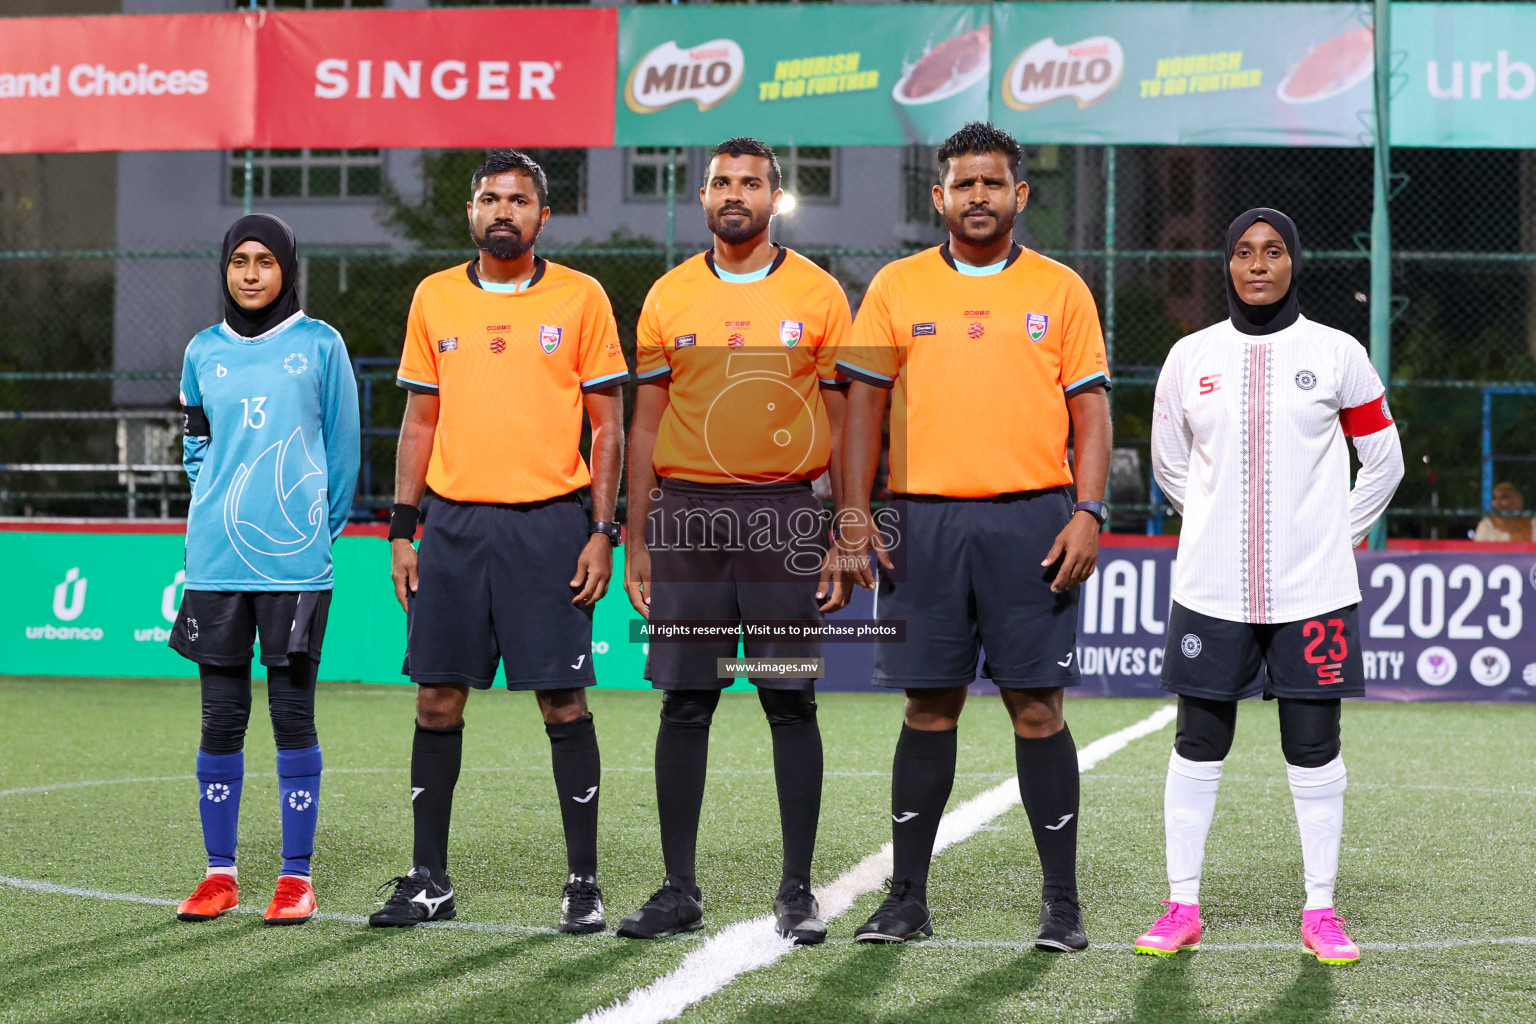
[(102, 604), (1294, 74), (183, 81), (525, 77), (1194, 74), (802, 74), (1469, 75), (1435, 625)]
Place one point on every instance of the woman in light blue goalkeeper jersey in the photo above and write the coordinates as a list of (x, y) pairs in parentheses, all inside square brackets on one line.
[(271, 450)]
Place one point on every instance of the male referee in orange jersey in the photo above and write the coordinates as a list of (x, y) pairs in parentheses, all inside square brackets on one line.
[(988, 352), (501, 356), (739, 408)]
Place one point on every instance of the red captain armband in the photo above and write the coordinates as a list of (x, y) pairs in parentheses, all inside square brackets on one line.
[(1366, 419)]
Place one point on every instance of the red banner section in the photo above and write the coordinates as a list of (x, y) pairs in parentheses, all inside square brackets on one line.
[(183, 81), (343, 79), (349, 79)]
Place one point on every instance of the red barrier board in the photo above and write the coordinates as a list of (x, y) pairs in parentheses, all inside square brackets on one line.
[(185, 81), (522, 77)]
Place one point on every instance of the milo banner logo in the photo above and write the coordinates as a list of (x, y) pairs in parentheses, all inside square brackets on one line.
[(818, 75), (705, 74), (1085, 71)]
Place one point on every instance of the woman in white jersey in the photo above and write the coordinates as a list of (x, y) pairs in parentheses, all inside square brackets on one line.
[(1248, 443)]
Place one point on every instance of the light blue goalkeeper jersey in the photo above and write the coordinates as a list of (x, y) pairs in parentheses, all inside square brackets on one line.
[(272, 451)]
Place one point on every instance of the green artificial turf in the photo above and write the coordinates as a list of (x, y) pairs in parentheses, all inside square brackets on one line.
[(1438, 846)]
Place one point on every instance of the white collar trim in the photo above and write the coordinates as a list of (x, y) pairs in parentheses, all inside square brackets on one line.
[(280, 328)]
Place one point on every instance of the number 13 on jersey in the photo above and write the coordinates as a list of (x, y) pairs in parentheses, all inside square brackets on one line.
[(255, 415)]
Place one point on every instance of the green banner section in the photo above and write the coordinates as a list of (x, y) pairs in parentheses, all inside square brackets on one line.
[(803, 74), (1467, 78), (1172, 73), (1192, 74), (96, 604)]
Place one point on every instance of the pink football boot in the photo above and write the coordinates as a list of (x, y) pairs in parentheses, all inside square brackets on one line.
[(1322, 933), (1176, 931)]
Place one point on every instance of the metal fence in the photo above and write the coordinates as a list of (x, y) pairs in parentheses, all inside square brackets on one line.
[(91, 342)]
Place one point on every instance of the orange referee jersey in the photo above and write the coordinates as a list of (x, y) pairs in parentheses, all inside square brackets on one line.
[(981, 367), (745, 364), (510, 370)]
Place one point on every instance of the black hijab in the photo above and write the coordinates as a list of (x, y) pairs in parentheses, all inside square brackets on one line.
[(1276, 316), (278, 238)]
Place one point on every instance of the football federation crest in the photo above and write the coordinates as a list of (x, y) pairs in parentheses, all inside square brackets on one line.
[(549, 338), (790, 332), (975, 330), (296, 363), (1190, 645), (1036, 324), (736, 340), (498, 345), (1306, 380)]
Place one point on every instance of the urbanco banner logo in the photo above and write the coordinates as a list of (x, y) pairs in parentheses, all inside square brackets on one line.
[(68, 605)]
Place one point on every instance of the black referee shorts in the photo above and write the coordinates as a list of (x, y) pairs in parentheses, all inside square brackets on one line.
[(968, 576), (495, 586), (733, 552), (1310, 659), (218, 627)]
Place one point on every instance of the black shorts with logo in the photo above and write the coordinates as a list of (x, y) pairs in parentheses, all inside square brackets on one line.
[(968, 576), (218, 627), (1317, 658), (733, 552), (495, 586)]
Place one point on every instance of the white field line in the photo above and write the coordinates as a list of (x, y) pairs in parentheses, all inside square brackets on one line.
[(51, 889), (1121, 949), (1278, 779), (467, 770), (748, 945)]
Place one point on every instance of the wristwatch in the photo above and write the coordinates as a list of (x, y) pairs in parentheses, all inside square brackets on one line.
[(1097, 509), (609, 530)]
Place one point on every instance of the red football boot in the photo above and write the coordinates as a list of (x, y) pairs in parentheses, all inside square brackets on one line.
[(294, 902), (217, 895)]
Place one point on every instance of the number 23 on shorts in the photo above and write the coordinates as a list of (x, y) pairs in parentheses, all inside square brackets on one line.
[(1329, 665)]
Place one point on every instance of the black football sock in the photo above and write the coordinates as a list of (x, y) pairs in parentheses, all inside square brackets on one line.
[(682, 758), (921, 779), (797, 776), (578, 772), (435, 758), (1048, 785)]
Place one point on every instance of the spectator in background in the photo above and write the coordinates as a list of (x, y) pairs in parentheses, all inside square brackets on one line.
[(1506, 498)]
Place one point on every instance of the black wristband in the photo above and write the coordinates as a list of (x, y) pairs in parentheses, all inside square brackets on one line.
[(402, 521)]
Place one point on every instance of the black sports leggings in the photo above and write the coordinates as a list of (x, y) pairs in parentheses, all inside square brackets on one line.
[(1309, 730), (290, 699)]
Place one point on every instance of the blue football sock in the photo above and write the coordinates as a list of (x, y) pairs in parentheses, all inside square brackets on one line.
[(298, 793), (220, 778)]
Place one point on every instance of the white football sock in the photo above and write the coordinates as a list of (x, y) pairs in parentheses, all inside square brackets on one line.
[(1319, 797), (230, 871), (1189, 804)]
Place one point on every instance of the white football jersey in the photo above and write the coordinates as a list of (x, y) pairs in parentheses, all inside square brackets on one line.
[(1248, 443)]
